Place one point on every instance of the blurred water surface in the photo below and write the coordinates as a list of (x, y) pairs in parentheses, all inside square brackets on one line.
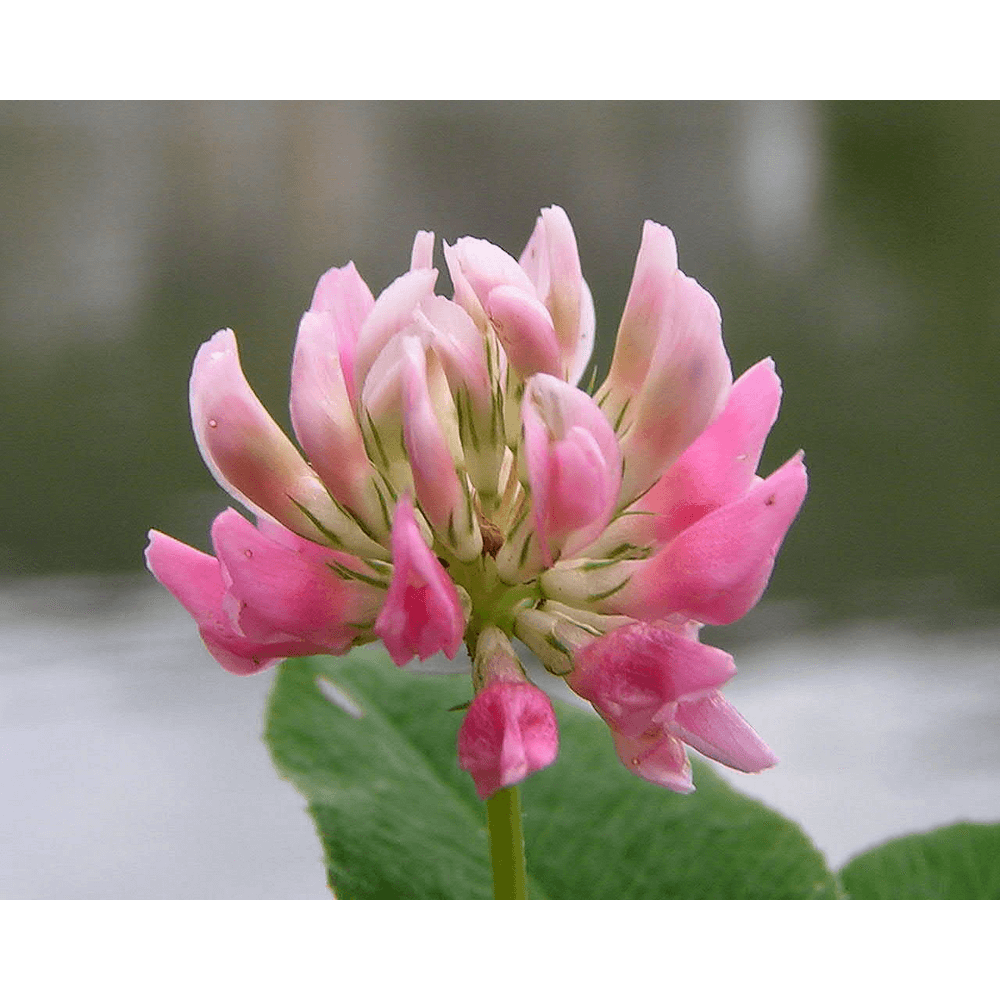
[(855, 243), (132, 766)]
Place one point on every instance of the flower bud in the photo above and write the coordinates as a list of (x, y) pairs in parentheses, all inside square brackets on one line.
[(510, 729)]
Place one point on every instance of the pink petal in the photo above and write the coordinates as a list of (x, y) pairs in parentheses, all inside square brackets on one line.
[(716, 570), (631, 674), (713, 727), (508, 733), (195, 579), (720, 465), (292, 591), (422, 614), (573, 464), (656, 757)]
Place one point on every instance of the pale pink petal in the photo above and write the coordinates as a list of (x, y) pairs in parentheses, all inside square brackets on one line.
[(243, 447), (392, 311), (343, 294), (579, 358), (650, 300), (323, 414), (508, 733), (431, 460), (720, 465), (716, 570), (657, 757), (455, 343), (713, 727), (485, 266), (422, 614), (476, 268), (448, 330), (684, 391), (552, 262), (293, 591), (580, 477), (382, 391), (195, 579), (422, 255), (631, 674), (525, 330), (343, 291)]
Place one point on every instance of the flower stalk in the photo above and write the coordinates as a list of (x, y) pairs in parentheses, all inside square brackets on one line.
[(506, 835)]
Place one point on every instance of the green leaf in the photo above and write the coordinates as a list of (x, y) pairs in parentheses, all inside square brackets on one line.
[(399, 820), (595, 831), (954, 862)]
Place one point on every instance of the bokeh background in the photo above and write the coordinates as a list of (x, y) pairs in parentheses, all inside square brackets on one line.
[(857, 244)]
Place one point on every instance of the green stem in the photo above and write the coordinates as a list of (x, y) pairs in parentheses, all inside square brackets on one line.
[(503, 810)]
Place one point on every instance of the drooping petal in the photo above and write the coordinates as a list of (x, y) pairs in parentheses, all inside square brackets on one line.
[(250, 456), (508, 733), (713, 727), (631, 674), (296, 591), (422, 614), (713, 572), (716, 570), (195, 579), (554, 638), (657, 757)]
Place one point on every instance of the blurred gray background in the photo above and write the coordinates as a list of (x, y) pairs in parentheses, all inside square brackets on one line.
[(855, 243)]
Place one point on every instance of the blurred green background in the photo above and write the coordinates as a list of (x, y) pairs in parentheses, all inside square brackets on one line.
[(856, 243)]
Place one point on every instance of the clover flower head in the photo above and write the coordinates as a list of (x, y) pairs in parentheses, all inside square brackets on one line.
[(455, 483)]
